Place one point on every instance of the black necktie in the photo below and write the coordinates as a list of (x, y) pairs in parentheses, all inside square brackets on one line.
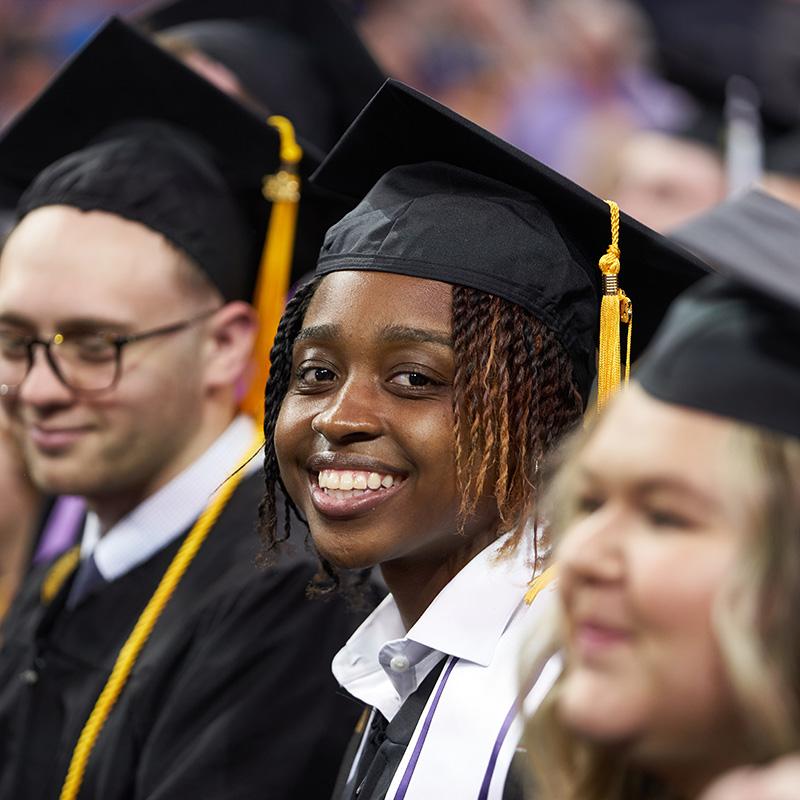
[(87, 580), (387, 742)]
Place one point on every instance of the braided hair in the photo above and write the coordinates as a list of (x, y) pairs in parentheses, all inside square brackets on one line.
[(514, 395)]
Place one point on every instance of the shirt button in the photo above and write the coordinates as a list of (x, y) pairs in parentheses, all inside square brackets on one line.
[(399, 663)]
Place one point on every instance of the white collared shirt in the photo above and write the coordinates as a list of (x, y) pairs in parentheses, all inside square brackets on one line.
[(168, 513), (478, 622)]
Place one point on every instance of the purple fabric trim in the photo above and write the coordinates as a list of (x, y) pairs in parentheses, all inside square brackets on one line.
[(412, 764), (501, 737), (61, 530)]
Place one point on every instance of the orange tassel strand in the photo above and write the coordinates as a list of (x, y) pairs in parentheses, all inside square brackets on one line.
[(283, 190)]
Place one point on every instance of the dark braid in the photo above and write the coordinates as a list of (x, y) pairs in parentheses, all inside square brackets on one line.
[(280, 376), (513, 397)]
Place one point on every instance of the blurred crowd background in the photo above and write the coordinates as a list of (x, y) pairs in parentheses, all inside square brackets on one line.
[(666, 106)]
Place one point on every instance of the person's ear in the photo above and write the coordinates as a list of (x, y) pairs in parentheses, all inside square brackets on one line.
[(229, 345)]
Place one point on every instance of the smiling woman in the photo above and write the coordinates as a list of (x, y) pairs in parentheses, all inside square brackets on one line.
[(446, 342), (655, 553), (679, 550)]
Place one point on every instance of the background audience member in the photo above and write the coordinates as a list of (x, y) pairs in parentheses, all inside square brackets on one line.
[(19, 510), (678, 549)]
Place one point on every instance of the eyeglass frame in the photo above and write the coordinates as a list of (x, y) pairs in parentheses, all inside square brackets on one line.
[(118, 340)]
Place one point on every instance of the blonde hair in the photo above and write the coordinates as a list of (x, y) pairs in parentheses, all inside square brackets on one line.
[(754, 619)]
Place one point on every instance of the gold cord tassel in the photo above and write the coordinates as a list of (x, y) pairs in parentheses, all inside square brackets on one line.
[(615, 308), (283, 190)]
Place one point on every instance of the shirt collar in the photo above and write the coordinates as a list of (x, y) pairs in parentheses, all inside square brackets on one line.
[(465, 620), (468, 617), (165, 515)]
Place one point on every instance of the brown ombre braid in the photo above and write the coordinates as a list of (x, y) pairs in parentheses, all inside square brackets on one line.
[(513, 397)]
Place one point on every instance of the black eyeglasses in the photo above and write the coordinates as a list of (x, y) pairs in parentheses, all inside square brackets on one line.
[(83, 362)]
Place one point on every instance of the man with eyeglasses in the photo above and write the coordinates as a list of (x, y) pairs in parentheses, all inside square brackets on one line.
[(85, 361), (155, 660)]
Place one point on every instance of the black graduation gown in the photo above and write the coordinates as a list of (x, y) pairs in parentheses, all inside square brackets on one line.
[(386, 744), (232, 696)]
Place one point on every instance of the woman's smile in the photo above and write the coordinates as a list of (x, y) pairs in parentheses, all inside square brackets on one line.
[(346, 485), (343, 493)]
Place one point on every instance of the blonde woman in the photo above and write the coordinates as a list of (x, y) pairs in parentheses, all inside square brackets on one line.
[(677, 517)]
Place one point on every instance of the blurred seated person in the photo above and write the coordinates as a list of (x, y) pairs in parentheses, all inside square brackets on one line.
[(303, 60), (154, 659), (676, 516), (18, 513)]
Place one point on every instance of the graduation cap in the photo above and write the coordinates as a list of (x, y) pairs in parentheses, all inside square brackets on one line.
[(302, 59), (126, 128), (446, 200), (730, 345)]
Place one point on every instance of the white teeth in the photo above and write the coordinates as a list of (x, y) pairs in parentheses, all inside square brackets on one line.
[(338, 494), (347, 481)]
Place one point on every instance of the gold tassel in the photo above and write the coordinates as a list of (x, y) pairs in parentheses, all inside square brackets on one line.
[(283, 190), (615, 308), (539, 582)]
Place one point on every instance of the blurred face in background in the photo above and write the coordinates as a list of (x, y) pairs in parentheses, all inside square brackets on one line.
[(785, 187), (655, 531), (664, 181)]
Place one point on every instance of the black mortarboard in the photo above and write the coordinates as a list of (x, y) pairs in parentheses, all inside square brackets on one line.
[(445, 200), (298, 58), (127, 128), (730, 346), (754, 239)]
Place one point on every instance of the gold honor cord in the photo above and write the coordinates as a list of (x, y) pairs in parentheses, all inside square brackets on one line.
[(58, 573), (615, 307), (130, 651), (539, 583), (272, 286)]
